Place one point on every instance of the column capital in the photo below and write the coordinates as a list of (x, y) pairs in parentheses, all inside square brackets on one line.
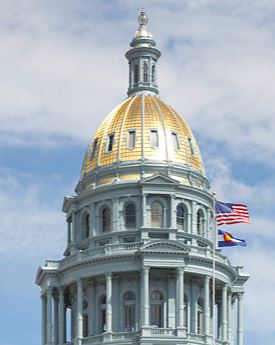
[(180, 270), (207, 278), (240, 295), (146, 268), (108, 275)]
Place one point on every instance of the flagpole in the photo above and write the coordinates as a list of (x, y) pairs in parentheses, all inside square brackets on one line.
[(213, 270)]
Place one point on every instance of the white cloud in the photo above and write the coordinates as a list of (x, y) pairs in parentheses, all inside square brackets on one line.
[(30, 226), (63, 69)]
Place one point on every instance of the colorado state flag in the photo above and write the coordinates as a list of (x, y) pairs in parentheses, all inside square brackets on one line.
[(229, 240)]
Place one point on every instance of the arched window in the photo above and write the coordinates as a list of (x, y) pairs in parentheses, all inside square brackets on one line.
[(156, 215), (129, 304), (106, 219), (130, 216), (136, 74), (199, 222), (199, 316), (156, 303), (102, 313), (181, 217), (145, 72), (153, 77), (86, 225)]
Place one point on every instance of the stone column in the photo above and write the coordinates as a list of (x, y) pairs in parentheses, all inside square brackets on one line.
[(173, 212), (145, 289), (49, 315), (68, 231), (61, 314), (180, 302), (91, 308), (115, 214), (79, 317), (224, 313), (240, 319), (171, 301), (109, 302), (229, 318), (74, 231), (55, 329), (194, 218), (93, 219), (43, 320), (144, 210), (193, 309), (207, 305)]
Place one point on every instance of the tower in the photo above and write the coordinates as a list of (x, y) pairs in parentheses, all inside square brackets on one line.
[(138, 265)]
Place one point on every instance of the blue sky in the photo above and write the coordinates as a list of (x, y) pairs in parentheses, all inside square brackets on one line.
[(63, 69)]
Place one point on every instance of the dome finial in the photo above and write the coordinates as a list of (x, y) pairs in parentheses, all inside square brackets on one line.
[(143, 18)]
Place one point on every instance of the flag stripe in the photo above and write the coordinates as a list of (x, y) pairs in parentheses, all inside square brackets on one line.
[(227, 213)]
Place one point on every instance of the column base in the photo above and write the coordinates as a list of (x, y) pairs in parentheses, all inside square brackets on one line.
[(208, 339), (77, 341), (107, 336), (145, 331), (181, 332)]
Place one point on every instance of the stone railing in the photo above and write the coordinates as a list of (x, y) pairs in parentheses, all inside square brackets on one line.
[(196, 338), (162, 331), (124, 335), (93, 339)]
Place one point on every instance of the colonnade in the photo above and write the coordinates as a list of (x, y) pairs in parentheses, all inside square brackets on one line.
[(54, 319)]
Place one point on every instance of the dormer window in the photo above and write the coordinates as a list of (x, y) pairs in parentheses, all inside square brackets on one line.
[(94, 148), (110, 142), (191, 146), (175, 141), (154, 138), (131, 139)]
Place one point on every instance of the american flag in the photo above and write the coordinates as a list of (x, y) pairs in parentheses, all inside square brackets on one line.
[(227, 213)]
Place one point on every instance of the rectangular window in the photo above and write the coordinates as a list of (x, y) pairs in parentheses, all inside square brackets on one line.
[(191, 146), (94, 148), (110, 142), (131, 139), (175, 141), (154, 138)]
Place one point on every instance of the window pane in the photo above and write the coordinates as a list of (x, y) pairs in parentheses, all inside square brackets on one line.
[(87, 226), (156, 215), (153, 74), (175, 141), (154, 140), (180, 217), (106, 220), (131, 139), (130, 216)]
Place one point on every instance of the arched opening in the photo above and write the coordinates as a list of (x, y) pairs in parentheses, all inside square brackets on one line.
[(181, 217), (200, 316), (129, 304), (130, 216), (102, 314), (86, 225), (145, 72), (106, 220), (153, 77), (136, 74), (200, 222), (186, 313), (156, 214), (156, 304), (85, 319)]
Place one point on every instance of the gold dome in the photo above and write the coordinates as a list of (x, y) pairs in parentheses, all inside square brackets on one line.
[(143, 128)]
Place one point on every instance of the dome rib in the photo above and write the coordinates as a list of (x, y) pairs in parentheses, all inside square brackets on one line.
[(143, 113)]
